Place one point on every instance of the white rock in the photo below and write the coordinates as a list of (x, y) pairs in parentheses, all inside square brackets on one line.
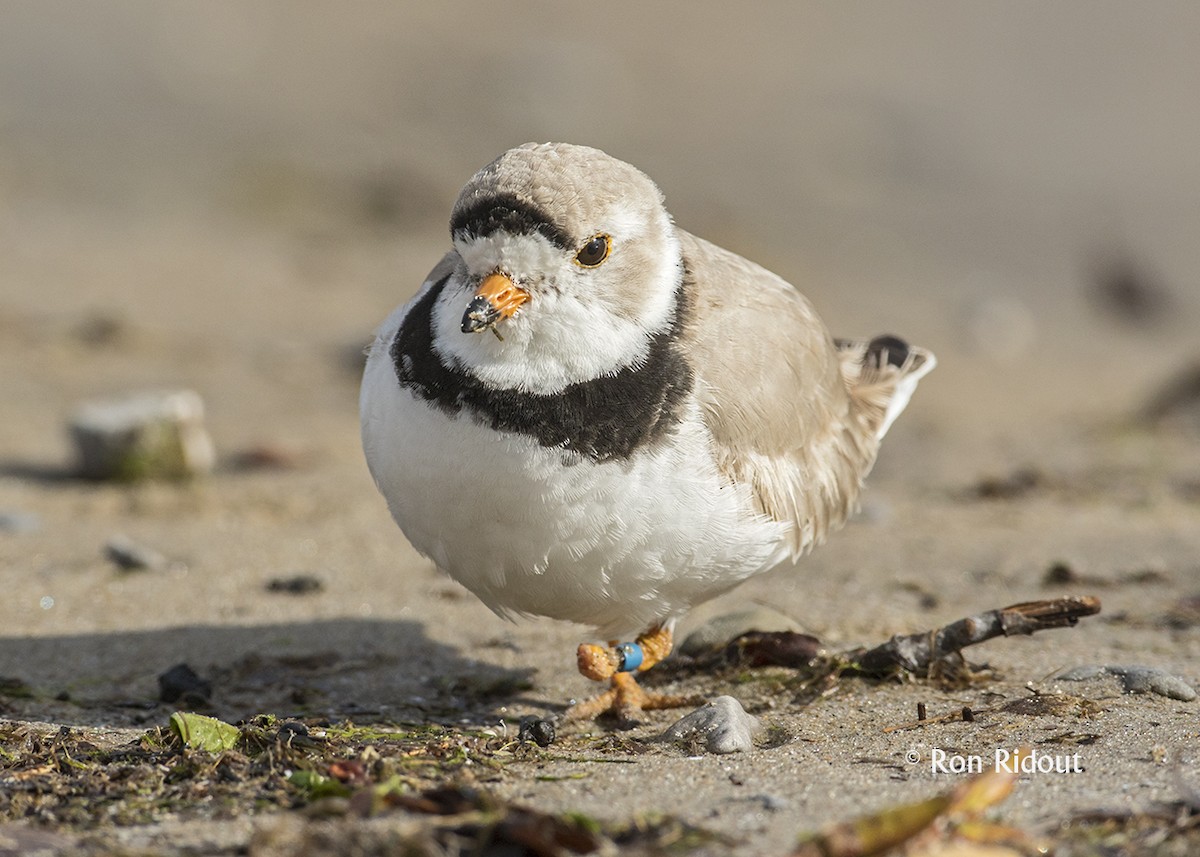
[(146, 436), (723, 725), (1137, 679), (133, 556)]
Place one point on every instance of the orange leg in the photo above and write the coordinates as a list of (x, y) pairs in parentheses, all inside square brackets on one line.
[(625, 699)]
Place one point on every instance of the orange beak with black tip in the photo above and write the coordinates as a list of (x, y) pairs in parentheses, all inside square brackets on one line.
[(498, 298)]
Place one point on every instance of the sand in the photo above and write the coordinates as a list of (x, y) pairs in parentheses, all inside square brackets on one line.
[(229, 199)]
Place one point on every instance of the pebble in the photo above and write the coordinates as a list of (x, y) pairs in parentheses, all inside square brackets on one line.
[(723, 725), (133, 556), (297, 584), (715, 634), (291, 730), (540, 732), (181, 684), (1137, 679), (1015, 485), (1061, 573), (144, 436)]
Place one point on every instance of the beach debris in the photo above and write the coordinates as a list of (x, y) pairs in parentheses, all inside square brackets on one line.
[(722, 724), (538, 730), (1035, 705), (181, 684), (715, 634), (129, 555), (456, 819), (296, 584), (953, 818), (1136, 679), (774, 649), (1013, 485), (484, 820), (1166, 828), (418, 774), (1062, 573), (920, 653), (144, 436), (352, 772), (316, 786), (926, 599), (290, 730), (204, 733)]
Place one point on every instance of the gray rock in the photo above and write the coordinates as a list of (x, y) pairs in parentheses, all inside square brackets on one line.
[(716, 633), (146, 436), (770, 802), (133, 556), (1137, 679), (723, 725)]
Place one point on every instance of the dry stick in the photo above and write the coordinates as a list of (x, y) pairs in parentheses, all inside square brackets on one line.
[(965, 714), (916, 653)]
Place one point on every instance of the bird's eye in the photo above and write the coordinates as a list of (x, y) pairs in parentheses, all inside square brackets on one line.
[(595, 251)]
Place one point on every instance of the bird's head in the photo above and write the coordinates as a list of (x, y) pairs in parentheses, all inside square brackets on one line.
[(569, 257)]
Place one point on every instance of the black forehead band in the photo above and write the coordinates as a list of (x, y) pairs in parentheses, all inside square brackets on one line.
[(511, 214)]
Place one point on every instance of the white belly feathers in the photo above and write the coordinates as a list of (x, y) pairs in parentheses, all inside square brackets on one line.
[(536, 530)]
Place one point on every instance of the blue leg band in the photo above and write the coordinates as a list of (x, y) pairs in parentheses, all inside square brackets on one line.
[(631, 657)]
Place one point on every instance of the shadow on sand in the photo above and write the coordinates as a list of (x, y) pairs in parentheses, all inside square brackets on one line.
[(363, 669)]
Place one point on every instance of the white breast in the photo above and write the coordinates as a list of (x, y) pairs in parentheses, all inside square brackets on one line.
[(532, 530)]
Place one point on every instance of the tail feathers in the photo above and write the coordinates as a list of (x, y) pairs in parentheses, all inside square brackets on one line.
[(881, 375)]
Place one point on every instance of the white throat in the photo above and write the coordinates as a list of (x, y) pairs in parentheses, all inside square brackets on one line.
[(565, 335)]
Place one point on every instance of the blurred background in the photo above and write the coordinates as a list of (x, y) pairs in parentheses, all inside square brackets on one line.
[(230, 196), (1013, 185)]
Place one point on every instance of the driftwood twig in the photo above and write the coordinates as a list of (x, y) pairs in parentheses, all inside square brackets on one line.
[(917, 653)]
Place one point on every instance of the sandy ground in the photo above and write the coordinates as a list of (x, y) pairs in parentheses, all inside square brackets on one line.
[(229, 198)]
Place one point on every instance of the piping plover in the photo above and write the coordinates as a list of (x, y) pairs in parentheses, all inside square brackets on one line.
[(588, 413)]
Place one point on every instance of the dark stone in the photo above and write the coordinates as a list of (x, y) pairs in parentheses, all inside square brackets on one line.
[(181, 684), (540, 732), (297, 584), (291, 729), (775, 648)]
